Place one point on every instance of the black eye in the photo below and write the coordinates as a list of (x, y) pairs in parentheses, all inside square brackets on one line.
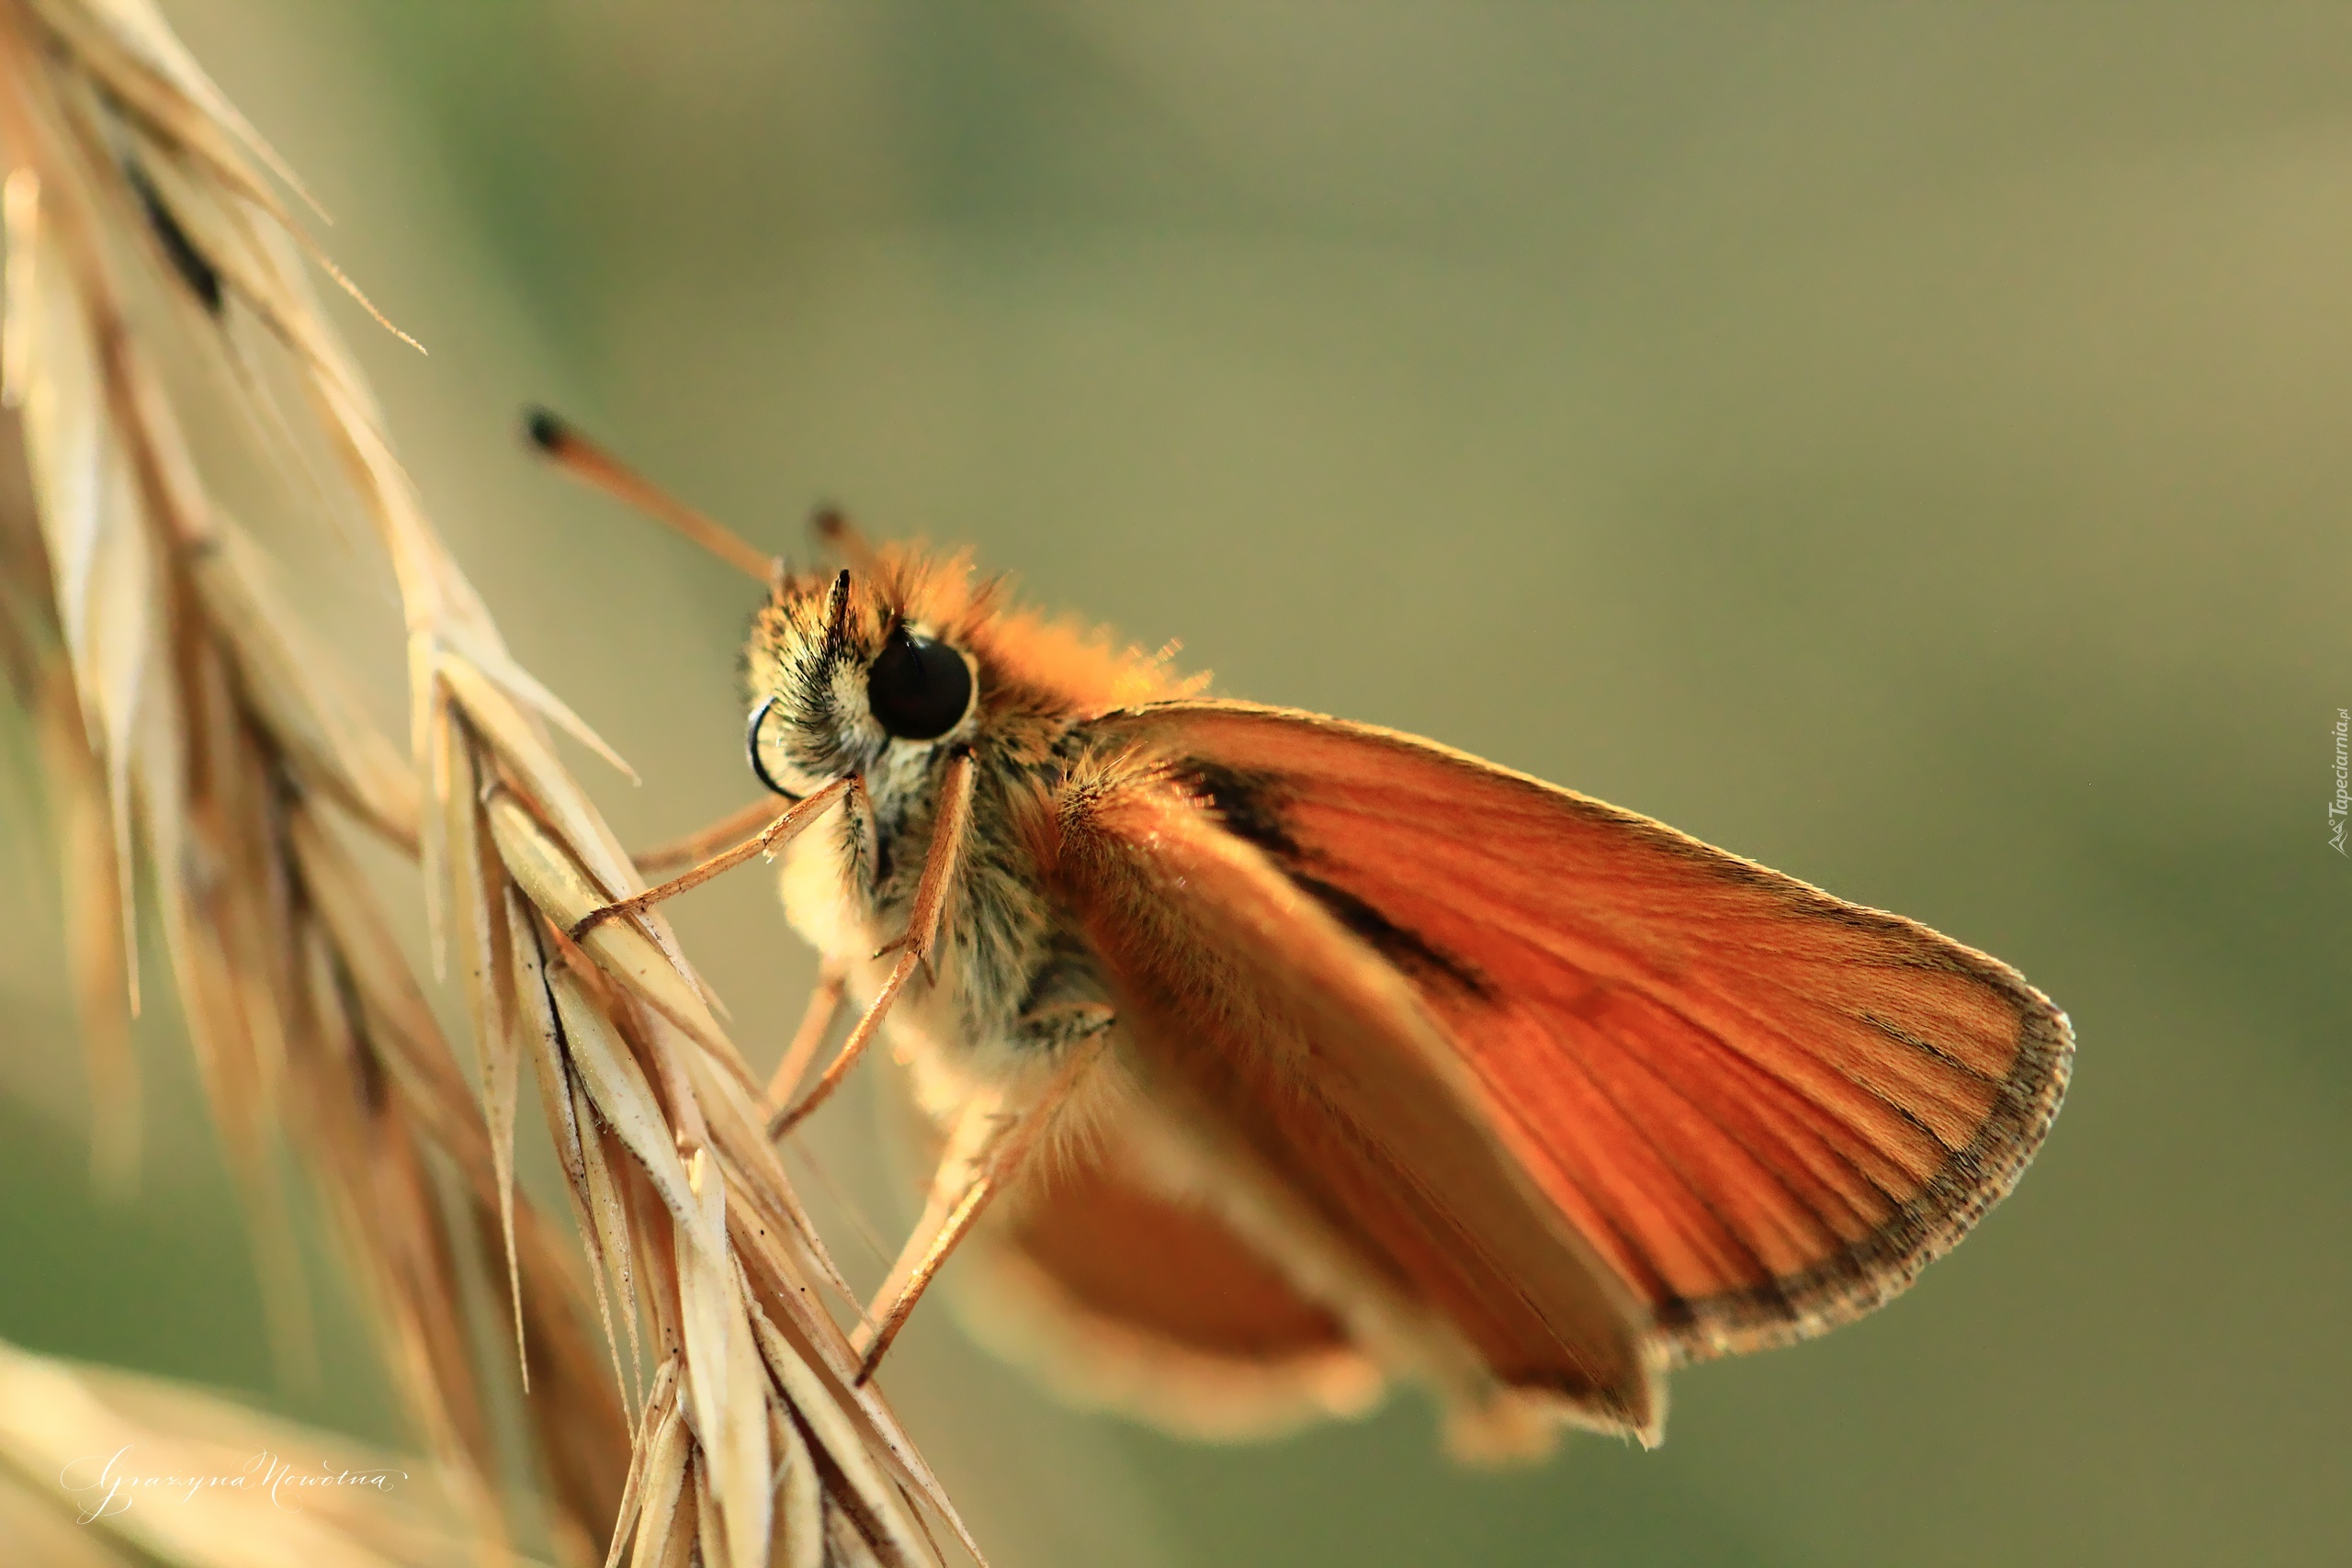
[(918, 688)]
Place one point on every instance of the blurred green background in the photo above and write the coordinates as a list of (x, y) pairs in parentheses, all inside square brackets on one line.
[(1909, 446)]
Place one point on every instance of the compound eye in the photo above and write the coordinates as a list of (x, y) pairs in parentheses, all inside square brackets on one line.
[(920, 688)]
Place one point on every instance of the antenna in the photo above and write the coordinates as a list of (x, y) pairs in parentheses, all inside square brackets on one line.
[(599, 469), (833, 527)]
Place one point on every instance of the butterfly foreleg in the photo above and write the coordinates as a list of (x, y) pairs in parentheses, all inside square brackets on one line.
[(816, 1022), (697, 846), (984, 1154), (766, 841), (948, 831)]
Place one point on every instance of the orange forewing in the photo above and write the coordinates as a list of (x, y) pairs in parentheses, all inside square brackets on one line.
[(1764, 1108), (1314, 1068)]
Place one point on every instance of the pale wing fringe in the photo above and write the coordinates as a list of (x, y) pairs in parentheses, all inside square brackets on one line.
[(196, 725)]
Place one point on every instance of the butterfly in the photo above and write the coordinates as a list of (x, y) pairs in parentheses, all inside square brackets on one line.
[(1268, 1058)]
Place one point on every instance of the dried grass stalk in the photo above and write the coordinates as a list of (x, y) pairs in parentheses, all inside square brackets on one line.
[(196, 726), (101, 1467)]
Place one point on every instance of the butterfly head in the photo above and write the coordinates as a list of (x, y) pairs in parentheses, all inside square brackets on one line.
[(860, 673)]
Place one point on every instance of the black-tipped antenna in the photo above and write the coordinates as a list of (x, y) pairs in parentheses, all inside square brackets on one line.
[(599, 469), (834, 526), (837, 616)]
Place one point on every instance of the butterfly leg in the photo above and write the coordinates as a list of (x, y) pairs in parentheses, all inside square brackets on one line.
[(726, 831), (924, 922), (824, 1006), (983, 1155), (766, 840)]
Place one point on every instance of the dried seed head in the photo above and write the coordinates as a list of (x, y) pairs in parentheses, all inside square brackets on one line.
[(196, 728)]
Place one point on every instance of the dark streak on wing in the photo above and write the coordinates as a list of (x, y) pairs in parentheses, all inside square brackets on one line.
[(194, 268), (1404, 948), (1248, 807), (1243, 804), (1927, 1047)]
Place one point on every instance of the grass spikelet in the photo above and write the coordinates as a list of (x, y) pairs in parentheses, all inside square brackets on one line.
[(103, 1468), (194, 729)]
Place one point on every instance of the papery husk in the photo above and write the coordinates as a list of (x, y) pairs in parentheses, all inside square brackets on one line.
[(193, 728), (79, 1447)]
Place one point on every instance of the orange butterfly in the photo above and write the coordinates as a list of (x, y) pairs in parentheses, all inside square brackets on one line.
[(1270, 1057)]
